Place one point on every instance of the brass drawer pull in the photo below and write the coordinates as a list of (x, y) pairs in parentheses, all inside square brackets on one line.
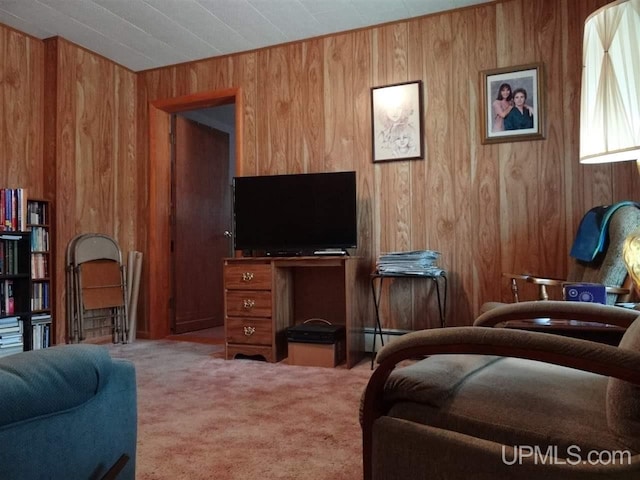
[(248, 304), (248, 331), (247, 276)]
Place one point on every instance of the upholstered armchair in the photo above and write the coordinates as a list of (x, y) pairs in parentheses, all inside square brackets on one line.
[(596, 256), (497, 403), (67, 412)]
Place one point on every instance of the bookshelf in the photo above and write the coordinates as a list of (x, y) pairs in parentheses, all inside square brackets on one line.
[(15, 291), (39, 220), (15, 274)]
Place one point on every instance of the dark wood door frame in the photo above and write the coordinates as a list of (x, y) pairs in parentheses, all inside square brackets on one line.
[(158, 276)]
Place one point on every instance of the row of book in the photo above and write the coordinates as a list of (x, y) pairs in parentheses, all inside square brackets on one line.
[(7, 299), (40, 296), (41, 331), (9, 257), (39, 239), (39, 266), (415, 262), (13, 209), (37, 213)]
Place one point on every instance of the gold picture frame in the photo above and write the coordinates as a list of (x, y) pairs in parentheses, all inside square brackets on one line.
[(505, 118)]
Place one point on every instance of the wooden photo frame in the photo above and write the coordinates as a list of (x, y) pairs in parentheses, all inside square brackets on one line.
[(506, 118), (396, 122)]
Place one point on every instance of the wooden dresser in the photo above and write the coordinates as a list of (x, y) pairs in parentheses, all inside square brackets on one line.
[(252, 326), (266, 295)]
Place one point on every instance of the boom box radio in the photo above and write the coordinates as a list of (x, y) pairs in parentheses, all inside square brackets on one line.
[(315, 333), (316, 344)]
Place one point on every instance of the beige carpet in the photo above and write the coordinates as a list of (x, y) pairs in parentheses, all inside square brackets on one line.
[(202, 417)]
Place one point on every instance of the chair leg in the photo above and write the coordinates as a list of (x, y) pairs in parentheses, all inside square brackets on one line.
[(514, 290), (543, 293), (116, 468)]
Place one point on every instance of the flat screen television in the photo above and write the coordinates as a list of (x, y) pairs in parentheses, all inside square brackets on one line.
[(295, 214)]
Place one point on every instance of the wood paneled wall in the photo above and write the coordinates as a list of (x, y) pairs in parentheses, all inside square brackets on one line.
[(91, 150), (487, 208), (21, 106), (306, 108)]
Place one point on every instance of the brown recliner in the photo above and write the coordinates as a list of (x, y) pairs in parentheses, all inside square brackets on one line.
[(497, 403)]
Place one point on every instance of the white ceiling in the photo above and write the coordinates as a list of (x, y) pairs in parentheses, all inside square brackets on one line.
[(144, 34)]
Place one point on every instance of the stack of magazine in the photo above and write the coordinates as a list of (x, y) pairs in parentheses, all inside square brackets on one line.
[(417, 262)]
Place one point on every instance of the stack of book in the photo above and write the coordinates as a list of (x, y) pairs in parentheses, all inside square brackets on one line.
[(10, 335), (417, 262)]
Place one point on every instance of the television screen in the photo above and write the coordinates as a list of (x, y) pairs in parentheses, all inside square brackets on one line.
[(295, 214)]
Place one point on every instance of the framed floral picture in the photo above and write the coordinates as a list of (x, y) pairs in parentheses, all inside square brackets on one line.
[(396, 122), (512, 104)]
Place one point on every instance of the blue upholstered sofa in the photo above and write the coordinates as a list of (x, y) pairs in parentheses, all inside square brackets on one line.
[(67, 412)]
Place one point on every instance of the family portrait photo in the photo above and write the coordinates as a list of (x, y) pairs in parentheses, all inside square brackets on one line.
[(513, 108)]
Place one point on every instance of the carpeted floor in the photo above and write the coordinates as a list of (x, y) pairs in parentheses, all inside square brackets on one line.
[(202, 417)]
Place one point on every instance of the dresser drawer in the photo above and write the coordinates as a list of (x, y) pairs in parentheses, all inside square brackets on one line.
[(247, 275), (248, 303), (254, 331)]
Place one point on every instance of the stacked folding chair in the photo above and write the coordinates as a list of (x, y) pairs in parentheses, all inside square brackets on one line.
[(96, 288)]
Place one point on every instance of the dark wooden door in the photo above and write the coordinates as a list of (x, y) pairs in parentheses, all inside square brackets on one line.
[(202, 213)]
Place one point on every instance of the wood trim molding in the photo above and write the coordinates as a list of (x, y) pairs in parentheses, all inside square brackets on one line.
[(159, 233)]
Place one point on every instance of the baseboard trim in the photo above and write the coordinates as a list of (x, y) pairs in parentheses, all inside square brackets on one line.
[(388, 335)]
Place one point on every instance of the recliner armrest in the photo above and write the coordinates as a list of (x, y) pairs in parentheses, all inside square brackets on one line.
[(569, 352), (50, 380), (558, 309)]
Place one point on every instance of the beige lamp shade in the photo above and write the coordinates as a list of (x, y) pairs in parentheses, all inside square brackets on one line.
[(610, 98)]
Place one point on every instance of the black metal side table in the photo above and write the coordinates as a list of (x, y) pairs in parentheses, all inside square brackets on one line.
[(377, 293)]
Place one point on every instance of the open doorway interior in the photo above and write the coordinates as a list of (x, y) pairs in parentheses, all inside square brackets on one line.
[(203, 168)]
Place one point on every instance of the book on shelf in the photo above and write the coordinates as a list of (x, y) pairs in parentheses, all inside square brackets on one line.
[(7, 300), (9, 329), (5, 321), (40, 337), (37, 213), (13, 209), (40, 331), (41, 318), (10, 350), (39, 239), (9, 254), (11, 343), (39, 296), (39, 266), (10, 339)]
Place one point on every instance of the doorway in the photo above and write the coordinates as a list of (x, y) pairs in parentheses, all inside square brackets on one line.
[(159, 275), (201, 215)]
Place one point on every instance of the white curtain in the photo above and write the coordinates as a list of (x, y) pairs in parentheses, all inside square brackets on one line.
[(610, 101)]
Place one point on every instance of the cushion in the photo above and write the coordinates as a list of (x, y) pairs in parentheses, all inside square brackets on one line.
[(42, 382), (485, 398)]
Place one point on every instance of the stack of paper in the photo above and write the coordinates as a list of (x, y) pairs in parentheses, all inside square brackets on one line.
[(417, 262)]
